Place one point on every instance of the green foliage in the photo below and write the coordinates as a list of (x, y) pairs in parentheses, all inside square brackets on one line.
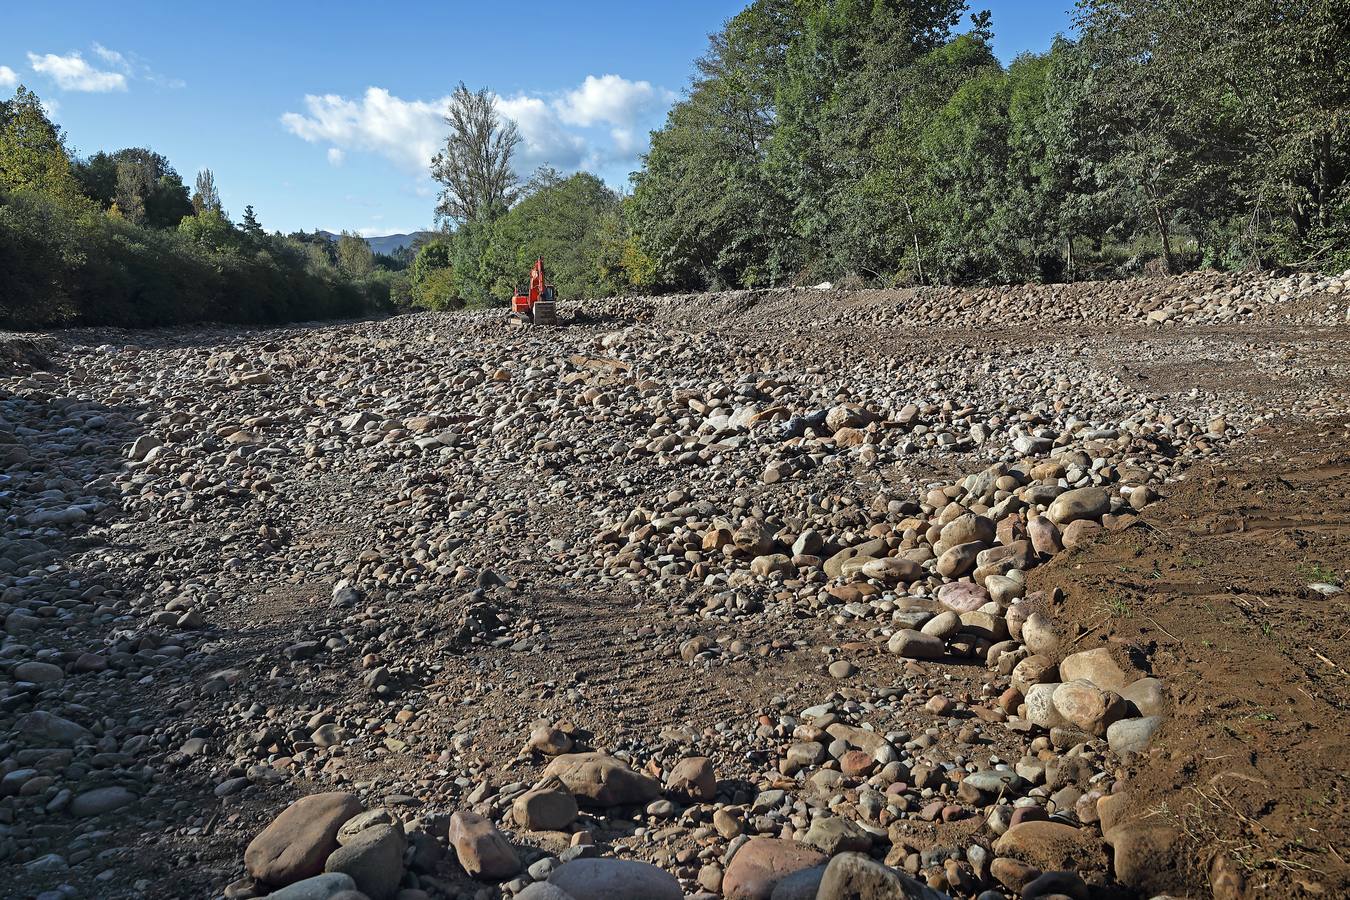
[(833, 138), (704, 209), (354, 256), (32, 150), (60, 266), (561, 221), (431, 277), (113, 240), (142, 185), (206, 197)]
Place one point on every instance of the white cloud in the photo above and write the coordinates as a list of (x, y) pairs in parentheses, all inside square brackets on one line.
[(8, 77), (73, 73), (335, 156), (112, 57), (611, 99), (406, 131), (543, 140), (564, 130)]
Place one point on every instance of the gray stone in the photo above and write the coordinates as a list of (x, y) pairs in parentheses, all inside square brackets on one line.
[(320, 887), (373, 858), (916, 645), (852, 876), (1133, 735), (100, 800), (615, 879)]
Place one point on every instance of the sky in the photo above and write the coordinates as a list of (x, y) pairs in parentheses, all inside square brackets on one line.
[(326, 115)]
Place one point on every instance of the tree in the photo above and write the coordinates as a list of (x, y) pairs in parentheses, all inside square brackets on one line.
[(475, 166), (133, 187), (561, 221), (703, 210), (431, 279), (250, 225), (142, 185), (355, 259), (32, 149), (207, 197)]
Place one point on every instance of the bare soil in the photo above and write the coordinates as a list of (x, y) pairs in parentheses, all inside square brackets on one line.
[(1212, 586)]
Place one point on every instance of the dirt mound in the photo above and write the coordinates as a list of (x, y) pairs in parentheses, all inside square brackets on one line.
[(22, 353), (1214, 589)]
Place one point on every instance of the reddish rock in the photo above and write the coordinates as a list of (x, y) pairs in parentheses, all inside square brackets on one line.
[(480, 847), (1053, 846), (602, 780), (761, 863), (856, 763), (693, 778)]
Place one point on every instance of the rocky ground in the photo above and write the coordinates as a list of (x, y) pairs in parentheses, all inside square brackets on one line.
[(1030, 591)]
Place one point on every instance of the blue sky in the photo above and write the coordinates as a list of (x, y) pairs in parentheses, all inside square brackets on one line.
[(320, 115)]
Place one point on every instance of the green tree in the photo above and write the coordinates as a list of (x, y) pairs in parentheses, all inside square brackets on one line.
[(32, 149), (431, 277), (703, 209), (142, 184), (355, 259), (475, 166), (207, 197), (559, 221), (250, 225)]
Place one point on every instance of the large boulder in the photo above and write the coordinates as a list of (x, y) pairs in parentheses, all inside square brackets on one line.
[(482, 850), (853, 876), (615, 879), (1053, 846), (373, 858), (967, 528), (1099, 667), (1082, 503), (692, 778), (916, 645), (320, 887), (298, 841), (1132, 735), (602, 780), (761, 863), (1088, 706), (547, 807)]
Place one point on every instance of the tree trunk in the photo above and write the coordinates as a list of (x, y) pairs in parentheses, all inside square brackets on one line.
[(1068, 253), (914, 230), (1165, 235)]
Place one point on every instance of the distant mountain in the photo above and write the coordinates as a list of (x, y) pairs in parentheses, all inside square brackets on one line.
[(387, 243)]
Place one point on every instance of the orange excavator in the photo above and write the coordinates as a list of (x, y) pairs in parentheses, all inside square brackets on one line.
[(534, 305)]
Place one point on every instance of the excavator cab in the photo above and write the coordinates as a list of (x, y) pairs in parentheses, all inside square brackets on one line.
[(535, 304)]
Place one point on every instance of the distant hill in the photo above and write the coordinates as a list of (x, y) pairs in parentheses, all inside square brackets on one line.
[(387, 243)]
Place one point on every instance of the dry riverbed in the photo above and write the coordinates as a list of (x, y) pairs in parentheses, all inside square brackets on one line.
[(1018, 591)]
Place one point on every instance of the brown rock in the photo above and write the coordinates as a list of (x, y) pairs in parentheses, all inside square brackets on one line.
[(480, 847), (1013, 874), (297, 842), (1080, 534), (1146, 857), (1088, 706), (546, 807), (1052, 846), (602, 780), (693, 779), (761, 863), (853, 876), (1079, 504), (1099, 667), (1044, 535), (1033, 670)]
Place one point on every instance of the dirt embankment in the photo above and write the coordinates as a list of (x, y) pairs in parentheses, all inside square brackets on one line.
[(1213, 587)]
